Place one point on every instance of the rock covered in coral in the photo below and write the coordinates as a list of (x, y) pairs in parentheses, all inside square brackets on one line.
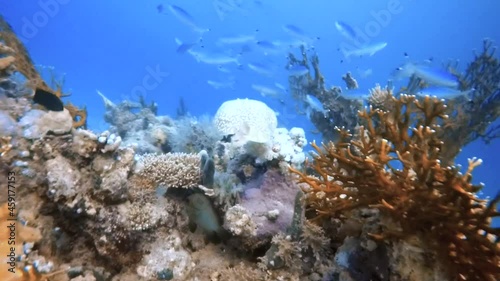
[(37, 123), (286, 146), (191, 135), (166, 254), (238, 221), (138, 126), (8, 125)]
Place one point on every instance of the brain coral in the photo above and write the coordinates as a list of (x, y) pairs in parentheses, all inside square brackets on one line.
[(247, 120)]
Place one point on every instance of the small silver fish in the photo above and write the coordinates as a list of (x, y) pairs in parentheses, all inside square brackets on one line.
[(298, 33), (220, 84), (314, 104), (260, 68), (298, 70), (444, 92), (183, 47), (368, 50), (240, 39), (434, 76), (218, 59), (346, 30), (184, 17), (265, 91)]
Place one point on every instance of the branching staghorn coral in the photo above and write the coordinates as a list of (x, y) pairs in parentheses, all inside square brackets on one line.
[(394, 165), (339, 111), (14, 54)]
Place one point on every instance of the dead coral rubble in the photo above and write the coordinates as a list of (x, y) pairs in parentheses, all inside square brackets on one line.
[(394, 165)]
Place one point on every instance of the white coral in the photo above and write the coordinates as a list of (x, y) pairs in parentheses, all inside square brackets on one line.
[(246, 119), (239, 222), (285, 146)]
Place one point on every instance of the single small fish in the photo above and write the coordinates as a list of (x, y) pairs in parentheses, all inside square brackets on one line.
[(298, 33), (369, 50), (260, 68), (298, 70), (444, 92), (48, 100), (358, 95), (267, 46), (365, 73), (434, 76), (346, 30), (265, 91), (279, 86), (315, 105), (202, 214), (220, 85), (183, 47), (184, 17), (218, 59), (240, 39)]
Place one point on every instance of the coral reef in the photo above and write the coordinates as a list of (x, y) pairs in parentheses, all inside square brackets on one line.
[(234, 197), (394, 165)]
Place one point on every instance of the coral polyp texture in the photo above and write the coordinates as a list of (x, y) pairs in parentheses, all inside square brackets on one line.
[(248, 120), (177, 170), (393, 165)]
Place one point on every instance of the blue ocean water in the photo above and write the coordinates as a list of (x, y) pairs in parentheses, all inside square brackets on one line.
[(127, 48)]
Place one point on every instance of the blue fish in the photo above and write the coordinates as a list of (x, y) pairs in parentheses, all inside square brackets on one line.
[(298, 33), (433, 76), (346, 30), (267, 45), (184, 17), (444, 92), (313, 104), (183, 47)]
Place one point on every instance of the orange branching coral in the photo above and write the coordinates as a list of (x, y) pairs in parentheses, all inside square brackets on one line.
[(16, 55), (79, 115), (393, 164)]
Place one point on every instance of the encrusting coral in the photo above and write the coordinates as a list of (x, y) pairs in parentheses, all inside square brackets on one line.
[(394, 165)]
